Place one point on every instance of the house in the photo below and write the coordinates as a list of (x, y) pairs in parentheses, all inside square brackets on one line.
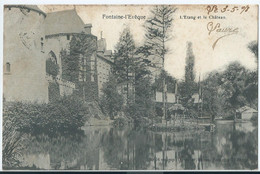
[(60, 29), (245, 113), (104, 64)]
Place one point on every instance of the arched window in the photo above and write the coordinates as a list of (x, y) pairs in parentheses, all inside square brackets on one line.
[(52, 67), (52, 56), (8, 67)]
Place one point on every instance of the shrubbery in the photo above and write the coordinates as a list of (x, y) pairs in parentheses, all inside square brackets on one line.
[(52, 68), (64, 115), (11, 146)]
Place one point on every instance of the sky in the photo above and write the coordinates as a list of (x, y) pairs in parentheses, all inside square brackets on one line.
[(228, 49)]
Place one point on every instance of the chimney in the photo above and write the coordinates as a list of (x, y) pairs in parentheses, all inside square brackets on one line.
[(87, 28)]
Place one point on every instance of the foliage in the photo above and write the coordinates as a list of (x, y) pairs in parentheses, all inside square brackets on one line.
[(65, 115), (52, 68), (253, 47), (70, 67), (120, 122), (224, 92), (81, 45), (158, 30), (188, 87), (124, 56), (212, 102), (111, 101), (190, 62), (11, 147), (143, 98), (170, 81), (143, 104), (53, 91)]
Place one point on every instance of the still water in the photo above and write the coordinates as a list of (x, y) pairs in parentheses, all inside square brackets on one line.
[(230, 146)]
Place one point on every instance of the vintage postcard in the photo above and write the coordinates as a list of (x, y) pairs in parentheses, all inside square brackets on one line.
[(130, 87)]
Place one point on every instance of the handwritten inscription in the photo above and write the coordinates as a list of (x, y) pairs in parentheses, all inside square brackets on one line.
[(225, 31), (227, 8)]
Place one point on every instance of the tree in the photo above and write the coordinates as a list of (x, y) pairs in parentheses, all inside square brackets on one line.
[(251, 90), (124, 58), (190, 61), (224, 92), (188, 87), (212, 101), (143, 93), (111, 101), (170, 81), (158, 33), (253, 47)]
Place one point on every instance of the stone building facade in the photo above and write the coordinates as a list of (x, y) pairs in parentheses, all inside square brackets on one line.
[(60, 36), (33, 42), (104, 64), (24, 56)]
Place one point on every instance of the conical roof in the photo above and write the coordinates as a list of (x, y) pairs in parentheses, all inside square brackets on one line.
[(29, 7)]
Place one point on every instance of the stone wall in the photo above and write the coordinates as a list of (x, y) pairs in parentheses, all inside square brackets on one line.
[(24, 60)]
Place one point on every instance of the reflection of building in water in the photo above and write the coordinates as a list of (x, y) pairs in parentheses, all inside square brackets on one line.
[(245, 127)]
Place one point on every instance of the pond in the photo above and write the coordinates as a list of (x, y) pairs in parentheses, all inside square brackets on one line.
[(230, 146)]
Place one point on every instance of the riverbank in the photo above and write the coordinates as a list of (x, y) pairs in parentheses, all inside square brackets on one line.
[(179, 125)]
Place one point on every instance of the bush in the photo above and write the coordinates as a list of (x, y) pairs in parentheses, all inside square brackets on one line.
[(120, 122), (63, 115)]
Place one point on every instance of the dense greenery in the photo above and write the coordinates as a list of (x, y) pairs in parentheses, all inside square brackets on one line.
[(53, 91), (82, 47), (52, 68), (188, 87), (124, 56), (111, 101), (170, 81), (224, 92), (65, 115), (79, 65), (12, 142)]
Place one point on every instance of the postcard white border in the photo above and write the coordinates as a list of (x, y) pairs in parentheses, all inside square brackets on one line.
[(114, 2)]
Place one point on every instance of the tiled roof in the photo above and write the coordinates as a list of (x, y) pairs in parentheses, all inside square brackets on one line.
[(246, 109), (66, 21)]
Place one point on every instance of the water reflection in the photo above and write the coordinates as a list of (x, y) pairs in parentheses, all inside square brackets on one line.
[(231, 146)]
